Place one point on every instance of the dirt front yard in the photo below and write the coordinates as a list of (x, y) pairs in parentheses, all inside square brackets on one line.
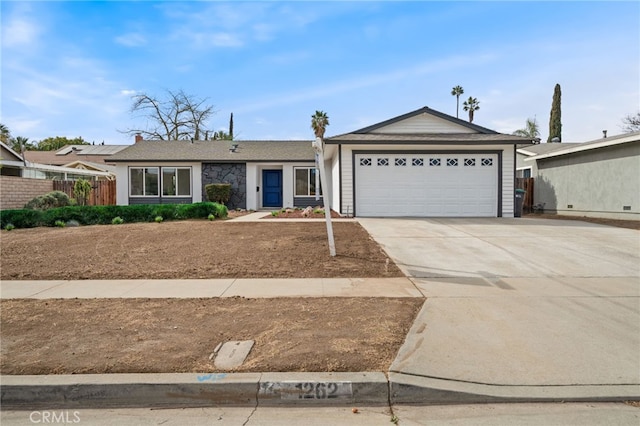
[(192, 249), (179, 335)]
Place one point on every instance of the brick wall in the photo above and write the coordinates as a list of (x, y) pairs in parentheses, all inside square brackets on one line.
[(15, 192)]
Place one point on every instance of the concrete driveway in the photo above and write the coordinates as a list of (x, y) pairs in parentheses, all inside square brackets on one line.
[(527, 306)]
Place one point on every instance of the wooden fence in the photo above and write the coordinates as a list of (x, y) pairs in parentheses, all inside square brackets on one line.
[(103, 192), (527, 185)]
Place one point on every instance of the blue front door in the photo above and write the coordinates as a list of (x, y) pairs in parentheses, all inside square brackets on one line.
[(272, 188)]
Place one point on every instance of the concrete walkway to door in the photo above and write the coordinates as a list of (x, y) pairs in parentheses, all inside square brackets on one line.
[(522, 308)]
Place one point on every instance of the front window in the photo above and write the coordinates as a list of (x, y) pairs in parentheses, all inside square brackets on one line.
[(176, 181), (145, 181), (307, 182)]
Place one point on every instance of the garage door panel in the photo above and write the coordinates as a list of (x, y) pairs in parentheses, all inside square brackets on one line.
[(423, 185)]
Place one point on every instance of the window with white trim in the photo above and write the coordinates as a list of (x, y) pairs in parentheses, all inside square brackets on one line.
[(176, 182), (143, 181), (148, 181), (307, 182)]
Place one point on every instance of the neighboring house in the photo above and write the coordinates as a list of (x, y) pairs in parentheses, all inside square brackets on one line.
[(87, 157), (261, 173), (22, 180), (600, 178), (13, 164), (424, 163), (528, 169)]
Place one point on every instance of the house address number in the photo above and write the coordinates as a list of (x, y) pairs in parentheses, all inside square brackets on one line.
[(318, 391)]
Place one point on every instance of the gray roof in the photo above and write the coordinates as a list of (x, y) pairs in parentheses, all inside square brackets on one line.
[(430, 138), (91, 149), (219, 151), (544, 148)]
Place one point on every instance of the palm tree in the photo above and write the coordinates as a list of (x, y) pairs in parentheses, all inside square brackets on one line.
[(530, 130), (20, 142), (457, 91), (5, 134), (319, 123), (471, 105)]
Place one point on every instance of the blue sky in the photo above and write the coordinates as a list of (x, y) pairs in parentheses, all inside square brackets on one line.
[(70, 68)]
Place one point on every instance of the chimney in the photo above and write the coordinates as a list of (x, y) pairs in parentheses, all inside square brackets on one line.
[(604, 133), (138, 137)]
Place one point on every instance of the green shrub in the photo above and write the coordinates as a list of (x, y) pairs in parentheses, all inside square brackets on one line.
[(211, 217), (47, 201), (9, 227), (275, 213), (218, 192), (117, 220), (167, 211), (21, 218), (103, 215), (158, 219), (60, 223)]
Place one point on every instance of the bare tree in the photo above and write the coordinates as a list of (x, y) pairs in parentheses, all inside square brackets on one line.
[(631, 123), (177, 116)]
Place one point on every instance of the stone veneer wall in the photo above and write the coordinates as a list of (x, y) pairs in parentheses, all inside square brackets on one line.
[(233, 173), (15, 192)]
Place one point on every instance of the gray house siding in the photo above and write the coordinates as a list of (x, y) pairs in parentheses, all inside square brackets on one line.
[(306, 202), (601, 182), (160, 200), (233, 173)]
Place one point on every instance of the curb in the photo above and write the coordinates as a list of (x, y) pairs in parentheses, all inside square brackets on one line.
[(193, 390), (418, 390), (279, 389)]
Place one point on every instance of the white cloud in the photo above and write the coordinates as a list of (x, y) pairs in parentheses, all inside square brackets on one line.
[(126, 92), (18, 31), (131, 40)]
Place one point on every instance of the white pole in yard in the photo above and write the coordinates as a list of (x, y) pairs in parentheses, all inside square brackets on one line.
[(318, 147)]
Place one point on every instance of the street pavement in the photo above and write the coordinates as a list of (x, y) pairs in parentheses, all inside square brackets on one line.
[(517, 310), (580, 414)]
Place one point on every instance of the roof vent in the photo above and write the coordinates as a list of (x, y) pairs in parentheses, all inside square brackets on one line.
[(234, 148), (604, 133)]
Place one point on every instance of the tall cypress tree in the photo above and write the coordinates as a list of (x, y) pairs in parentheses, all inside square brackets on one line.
[(555, 122), (231, 127)]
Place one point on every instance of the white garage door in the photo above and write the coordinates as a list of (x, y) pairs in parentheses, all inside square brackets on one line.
[(426, 185)]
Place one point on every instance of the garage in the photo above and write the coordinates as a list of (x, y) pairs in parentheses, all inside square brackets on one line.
[(427, 184)]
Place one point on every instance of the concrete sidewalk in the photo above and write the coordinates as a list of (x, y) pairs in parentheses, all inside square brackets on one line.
[(250, 288)]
